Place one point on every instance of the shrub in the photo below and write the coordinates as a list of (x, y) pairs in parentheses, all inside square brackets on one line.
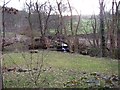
[(94, 51), (117, 52)]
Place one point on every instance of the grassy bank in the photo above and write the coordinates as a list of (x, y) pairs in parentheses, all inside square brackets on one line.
[(59, 69)]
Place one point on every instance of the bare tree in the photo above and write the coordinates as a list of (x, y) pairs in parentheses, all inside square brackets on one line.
[(2, 42), (102, 28), (95, 31), (118, 28), (112, 28), (112, 36), (71, 19), (4, 9), (43, 26), (61, 18)]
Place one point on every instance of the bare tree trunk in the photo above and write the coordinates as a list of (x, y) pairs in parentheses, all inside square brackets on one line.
[(2, 36), (102, 29), (77, 27), (94, 27), (118, 29), (46, 21), (61, 17), (40, 19), (112, 33), (71, 19), (2, 46), (30, 23)]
